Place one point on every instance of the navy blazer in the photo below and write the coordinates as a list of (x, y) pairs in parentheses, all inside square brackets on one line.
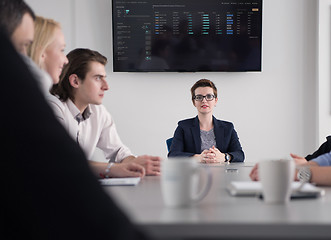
[(187, 142)]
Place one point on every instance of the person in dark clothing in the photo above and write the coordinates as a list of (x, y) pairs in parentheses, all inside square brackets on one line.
[(48, 188), (16, 20), (205, 137), (324, 148)]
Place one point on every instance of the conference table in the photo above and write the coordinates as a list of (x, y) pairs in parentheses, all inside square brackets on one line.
[(222, 216)]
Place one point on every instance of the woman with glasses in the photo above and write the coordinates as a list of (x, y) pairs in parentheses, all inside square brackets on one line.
[(205, 137)]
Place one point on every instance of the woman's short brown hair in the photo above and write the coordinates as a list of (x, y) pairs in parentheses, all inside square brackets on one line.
[(203, 83), (79, 63)]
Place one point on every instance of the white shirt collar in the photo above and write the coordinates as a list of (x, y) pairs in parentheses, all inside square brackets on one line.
[(76, 113)]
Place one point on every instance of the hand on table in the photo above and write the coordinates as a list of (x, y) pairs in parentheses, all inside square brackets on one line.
[(129, 169), (298, 159), (152, 164), (254, 174)]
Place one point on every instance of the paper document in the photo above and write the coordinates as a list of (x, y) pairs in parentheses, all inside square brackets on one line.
[(250, 188), (120, 181)]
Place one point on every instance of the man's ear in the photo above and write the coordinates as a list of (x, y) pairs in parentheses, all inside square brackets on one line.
[(74, 81)]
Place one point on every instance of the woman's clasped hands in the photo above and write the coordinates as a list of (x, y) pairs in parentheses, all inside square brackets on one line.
[(212, 155)]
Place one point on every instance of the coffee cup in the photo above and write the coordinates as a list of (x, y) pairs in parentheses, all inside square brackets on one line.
[(180, 181), (276, 178)]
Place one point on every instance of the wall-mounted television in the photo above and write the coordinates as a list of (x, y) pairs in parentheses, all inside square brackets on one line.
[(186, 35)]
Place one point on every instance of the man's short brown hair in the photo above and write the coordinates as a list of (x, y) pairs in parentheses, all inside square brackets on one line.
[(11, 14), (79, 64)]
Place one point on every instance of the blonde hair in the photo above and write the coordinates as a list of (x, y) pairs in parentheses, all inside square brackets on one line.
[(43, 37)]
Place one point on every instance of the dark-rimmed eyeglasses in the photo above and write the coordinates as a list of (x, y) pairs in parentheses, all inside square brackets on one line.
[(209, 97)]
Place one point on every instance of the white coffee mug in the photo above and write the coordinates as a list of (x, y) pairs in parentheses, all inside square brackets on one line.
[(276, 177), (180, 181)]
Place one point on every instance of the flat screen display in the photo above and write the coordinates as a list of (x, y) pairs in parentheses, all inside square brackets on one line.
[(187, 35)]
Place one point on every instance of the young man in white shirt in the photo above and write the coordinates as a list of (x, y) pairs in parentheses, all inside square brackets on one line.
[(81, 90)]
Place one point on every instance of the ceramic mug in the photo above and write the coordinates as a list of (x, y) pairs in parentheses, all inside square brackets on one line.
[(276, 177), (180, 181)]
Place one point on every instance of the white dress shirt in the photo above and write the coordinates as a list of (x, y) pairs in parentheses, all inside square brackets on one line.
[(94, 128)]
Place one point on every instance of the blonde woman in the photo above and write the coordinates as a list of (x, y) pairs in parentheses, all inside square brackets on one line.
[(47, 49)]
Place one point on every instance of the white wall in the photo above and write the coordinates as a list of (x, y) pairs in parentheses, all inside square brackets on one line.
[(324, 60), (274, 112)]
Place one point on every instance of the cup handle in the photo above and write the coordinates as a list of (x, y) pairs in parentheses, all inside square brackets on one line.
[(205, 189)]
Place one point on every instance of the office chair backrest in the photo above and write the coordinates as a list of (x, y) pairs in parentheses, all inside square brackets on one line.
[(169, 141)]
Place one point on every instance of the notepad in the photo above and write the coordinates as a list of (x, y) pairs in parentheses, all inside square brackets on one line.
[(120, 181), (250, 188)]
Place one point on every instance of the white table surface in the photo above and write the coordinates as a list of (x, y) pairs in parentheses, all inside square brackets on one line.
[(220, 215)]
